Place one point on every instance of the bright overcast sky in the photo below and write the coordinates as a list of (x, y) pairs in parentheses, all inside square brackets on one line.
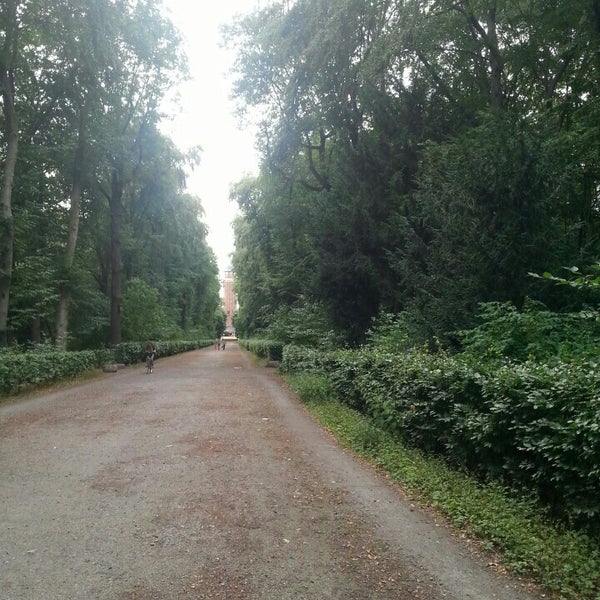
[(207, 118)]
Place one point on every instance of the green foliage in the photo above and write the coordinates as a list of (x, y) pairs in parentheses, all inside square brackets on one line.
[(89, 123), (311, 387), (23, 368), (298, 359), (20, 370), (577, 279), (561, 560), (393, 333), (142, 317), (130, 353), (491, 217), (533, 426), (219, 321), (533, 333), (415, 162), (270, 349), (89, 317), (304, 323)]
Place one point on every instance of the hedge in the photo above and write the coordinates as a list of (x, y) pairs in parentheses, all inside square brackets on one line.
[(21, 369), (130, 353), (270, 349), (530, 425)]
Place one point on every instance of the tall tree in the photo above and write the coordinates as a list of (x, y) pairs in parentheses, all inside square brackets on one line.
[(150, 60), (9, 28), (84, 59), (437, 147)]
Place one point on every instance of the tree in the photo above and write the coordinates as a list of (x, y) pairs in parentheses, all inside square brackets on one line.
[(436, 153), (88, 80), (146, 66), (8, 58), (142, 316)]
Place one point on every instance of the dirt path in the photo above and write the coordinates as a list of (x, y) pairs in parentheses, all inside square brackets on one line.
[(207, 479)]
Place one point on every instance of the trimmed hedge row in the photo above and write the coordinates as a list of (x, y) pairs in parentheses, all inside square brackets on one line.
[(270, 349), (20, 369), (529, 425), (130, 353), (24, 369)]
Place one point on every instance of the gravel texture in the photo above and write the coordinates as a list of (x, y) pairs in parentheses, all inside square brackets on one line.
[(208, 479)]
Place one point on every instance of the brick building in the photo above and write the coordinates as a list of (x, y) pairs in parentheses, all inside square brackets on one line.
[(229, 299)]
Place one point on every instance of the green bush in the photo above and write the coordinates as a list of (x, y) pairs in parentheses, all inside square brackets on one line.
[(19, 370), (305, 323), (269, 349), (130, 353), (300, 358), (532, 426), (564, 561), (393, 332), (533, 333), (312, 388)]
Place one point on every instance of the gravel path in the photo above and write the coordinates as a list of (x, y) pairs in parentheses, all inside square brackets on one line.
[(207, 479)]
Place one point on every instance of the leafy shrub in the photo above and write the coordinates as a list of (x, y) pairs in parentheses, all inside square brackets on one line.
[(300, 358), (303, 324), (531, 333), (270, 349), (130, 353), (564, 561), (341, 367), (45, 364), (20, 370), (312, 387), (530, 425), (393, 333), (550, 415)]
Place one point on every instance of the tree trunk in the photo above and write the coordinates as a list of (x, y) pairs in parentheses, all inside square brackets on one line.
[(7, 88), (62, 316), (36, 330), (496, 62), (489, 37), (596, 36), (116, 209)]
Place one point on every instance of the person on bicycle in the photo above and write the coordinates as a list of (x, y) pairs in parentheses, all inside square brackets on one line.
[(150, 353)]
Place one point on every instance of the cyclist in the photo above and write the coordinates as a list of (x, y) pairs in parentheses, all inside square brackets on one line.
[(149, 354)]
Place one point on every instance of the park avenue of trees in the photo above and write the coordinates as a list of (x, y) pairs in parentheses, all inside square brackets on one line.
[(99, 240), (419, 158), (428, 170)]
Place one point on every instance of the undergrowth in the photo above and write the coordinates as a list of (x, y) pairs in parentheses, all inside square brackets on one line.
[(563, 561)]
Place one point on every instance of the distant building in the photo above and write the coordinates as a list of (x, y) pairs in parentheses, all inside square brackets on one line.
[(229, 299)]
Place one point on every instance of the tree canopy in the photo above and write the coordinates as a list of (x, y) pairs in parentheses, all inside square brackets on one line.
[(418, 158), (97, 226)]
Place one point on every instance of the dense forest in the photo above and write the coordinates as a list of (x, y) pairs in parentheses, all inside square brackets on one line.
[(99, 242), (418, 159)]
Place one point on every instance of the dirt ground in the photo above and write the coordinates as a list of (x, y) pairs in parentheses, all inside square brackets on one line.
[(208, 479)]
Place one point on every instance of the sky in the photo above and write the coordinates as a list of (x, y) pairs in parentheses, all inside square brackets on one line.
[(207, 119)]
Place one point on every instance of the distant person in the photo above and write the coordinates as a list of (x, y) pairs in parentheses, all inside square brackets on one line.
[(149, 355)]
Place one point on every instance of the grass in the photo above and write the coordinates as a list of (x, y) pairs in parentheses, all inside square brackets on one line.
[(562, 561)]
